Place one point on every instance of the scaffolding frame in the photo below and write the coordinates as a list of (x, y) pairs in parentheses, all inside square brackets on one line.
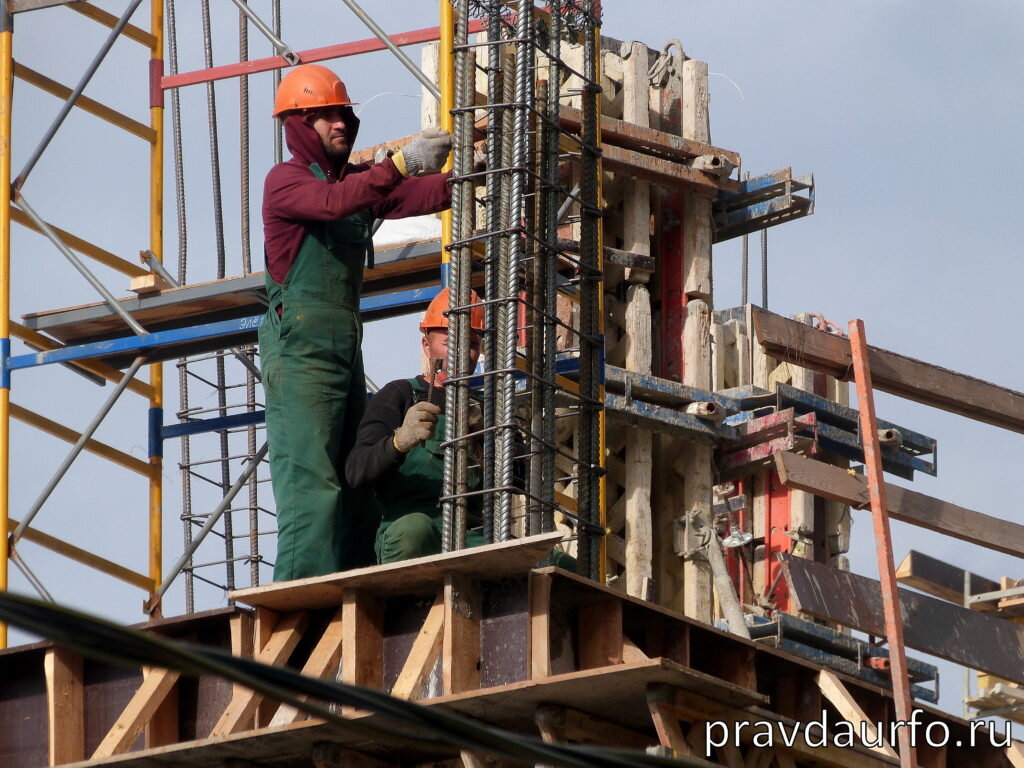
[(145, 347)]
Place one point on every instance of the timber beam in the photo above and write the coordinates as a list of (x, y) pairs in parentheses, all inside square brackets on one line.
[(896, 374), (905, 505)]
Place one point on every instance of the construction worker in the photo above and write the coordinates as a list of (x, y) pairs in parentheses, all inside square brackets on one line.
[(397, 451), (318, 210)]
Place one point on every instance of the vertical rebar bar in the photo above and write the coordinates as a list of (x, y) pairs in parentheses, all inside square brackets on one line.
[(588, 441), (551, 217), (218, 218), (492, 250)]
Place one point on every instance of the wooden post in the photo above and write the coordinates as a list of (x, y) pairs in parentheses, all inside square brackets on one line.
[(362, 657), (539, 649), (65, 705), (460, 664), (697, 233), (600, 634), (637, 239)]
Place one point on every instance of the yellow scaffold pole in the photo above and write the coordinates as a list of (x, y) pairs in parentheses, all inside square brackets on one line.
[(6, 92), (156, 243)]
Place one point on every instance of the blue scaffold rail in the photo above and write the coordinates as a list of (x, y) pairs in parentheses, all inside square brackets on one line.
[(243, 326)]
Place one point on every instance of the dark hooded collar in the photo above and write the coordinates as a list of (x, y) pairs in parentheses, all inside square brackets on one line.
[(305, 144)]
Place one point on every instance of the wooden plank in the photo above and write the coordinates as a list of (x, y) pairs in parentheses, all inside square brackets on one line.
[(904, 505), (460, 655), (1015, 754), (65, 705), (362, 662), (834, 690), (540, 626), (670, 734), (156, 685), (244, 703), (892, 372), (576, 725), (622, 133), (976, 640), (423, 655), (663, 172), (600, 635), (419, 576), (322, 663), (940, 579)]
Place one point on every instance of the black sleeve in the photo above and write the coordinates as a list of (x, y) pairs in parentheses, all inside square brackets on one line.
[(374, 454)]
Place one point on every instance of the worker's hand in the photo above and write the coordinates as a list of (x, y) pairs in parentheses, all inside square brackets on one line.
[(427, 152), (418, 427)]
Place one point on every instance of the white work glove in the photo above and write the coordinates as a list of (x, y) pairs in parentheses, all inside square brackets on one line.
[(427, 152), (418, 426)]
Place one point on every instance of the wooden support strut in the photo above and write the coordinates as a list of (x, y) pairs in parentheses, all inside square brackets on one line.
[(244, 703)]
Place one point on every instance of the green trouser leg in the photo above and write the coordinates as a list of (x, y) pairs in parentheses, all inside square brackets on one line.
[(315, 398), (414, 535)]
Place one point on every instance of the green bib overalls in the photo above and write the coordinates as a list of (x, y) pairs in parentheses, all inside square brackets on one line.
[(315, 391), (411, 515)]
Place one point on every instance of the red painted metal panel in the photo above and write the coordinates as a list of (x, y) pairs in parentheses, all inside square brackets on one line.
[(672, 277), (224, 71)]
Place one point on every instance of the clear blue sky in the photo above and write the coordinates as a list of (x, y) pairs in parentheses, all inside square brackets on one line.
[(908, 113)]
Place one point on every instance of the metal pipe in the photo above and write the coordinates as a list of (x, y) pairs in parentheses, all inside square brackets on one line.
[(108, 297), (727, 597), (65, 110), (31, 577), (883, 539), (79, 445), (207, 527), (399, 53), (279, 45)]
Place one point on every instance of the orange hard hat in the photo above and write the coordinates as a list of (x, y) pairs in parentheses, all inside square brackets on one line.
[(310, 86), (434, 317)]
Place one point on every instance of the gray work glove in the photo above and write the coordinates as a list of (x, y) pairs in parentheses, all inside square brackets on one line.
[(427, 152), (418, 426)]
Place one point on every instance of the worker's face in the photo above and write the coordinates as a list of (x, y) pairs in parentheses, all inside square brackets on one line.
[(331, 126), (435, 345)]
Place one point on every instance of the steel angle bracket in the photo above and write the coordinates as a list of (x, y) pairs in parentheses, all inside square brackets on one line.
[(839, 433), (759, 439), (762, 202)]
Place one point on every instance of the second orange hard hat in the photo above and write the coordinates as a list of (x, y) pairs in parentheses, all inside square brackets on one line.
[(310, 86), (434, 317)]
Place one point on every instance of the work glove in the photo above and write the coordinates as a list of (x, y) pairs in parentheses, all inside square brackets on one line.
[(427, 152), (418, 426), (479, 161)]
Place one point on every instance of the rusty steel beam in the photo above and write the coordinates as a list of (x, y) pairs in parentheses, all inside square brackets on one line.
[(883, 539)]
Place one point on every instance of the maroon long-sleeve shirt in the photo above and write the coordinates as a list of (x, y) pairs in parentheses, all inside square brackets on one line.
[(293, 197)]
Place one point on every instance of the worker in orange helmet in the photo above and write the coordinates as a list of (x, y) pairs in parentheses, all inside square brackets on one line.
[(318, 211), (398, 449)]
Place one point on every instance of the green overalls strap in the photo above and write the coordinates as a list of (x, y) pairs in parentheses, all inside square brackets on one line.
[(411, 513), (315, 392)]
